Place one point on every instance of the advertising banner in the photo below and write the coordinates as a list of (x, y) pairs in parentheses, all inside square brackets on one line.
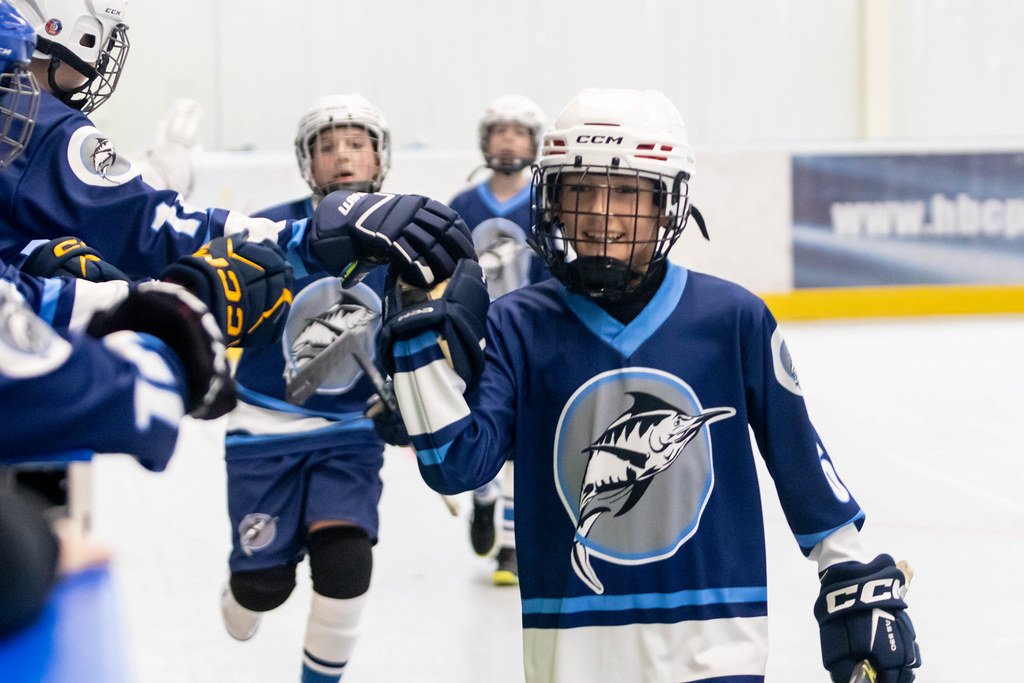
[(908, 219)]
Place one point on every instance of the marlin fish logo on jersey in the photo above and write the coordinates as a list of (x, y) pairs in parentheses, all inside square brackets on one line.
[(621, 513)]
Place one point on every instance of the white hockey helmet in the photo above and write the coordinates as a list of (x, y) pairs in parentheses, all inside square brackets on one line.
[(19, 92), (90, 36), (517, 109), (604, 132), (335, 111)]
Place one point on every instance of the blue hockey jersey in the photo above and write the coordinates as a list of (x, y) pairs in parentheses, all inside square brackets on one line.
[(478, 204), (638, 524), (264, 420), (71, 181), (122, 394)]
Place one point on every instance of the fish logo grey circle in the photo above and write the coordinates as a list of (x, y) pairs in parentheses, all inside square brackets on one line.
[(633, 467), (256, 532)]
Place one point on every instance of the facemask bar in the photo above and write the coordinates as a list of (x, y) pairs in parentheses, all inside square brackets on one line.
[(19, 102), (603, 230)]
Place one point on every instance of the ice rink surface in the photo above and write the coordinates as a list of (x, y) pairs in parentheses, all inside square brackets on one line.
[(922, 418)]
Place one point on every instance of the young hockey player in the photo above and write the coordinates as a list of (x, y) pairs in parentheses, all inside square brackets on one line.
[(625, 386), (497, 210), (306, 480)]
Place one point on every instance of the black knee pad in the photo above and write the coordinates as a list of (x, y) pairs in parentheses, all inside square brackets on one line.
[(340, 561), (262, 590)]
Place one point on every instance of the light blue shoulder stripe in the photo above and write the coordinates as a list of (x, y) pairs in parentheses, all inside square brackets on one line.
[(626, 339), (623, 603), (808, 541), (51, 295), (298, 230), (497, 207)]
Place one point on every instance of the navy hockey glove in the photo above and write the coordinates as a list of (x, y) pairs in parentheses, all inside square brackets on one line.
[(456, 311), (387, 419), (70, 257), (246, 285), (180, 320), (862, 615), (352, 232)]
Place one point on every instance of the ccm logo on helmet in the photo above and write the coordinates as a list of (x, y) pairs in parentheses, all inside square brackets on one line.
[(599, 139), (872, 591)]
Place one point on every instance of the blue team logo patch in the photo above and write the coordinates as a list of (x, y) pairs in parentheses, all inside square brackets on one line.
[(633, 466), (256, 532), (54, 27)]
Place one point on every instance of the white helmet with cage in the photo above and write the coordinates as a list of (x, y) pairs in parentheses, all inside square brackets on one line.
[(517, 109), (338, 111), (614, 132), (90, 36)]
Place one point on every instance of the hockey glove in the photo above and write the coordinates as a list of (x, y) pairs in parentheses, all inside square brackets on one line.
[(70, 257), (862, 615), (180, 320), (352, 232), (387, 419), (246, 285), (457, 313)]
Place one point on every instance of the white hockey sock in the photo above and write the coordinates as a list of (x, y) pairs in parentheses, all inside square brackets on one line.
[(331, 633), (488, 493), (508, 516)]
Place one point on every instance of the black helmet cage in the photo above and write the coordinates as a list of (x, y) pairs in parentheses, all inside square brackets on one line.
[(604, 277), (19, 102), (101, 79)]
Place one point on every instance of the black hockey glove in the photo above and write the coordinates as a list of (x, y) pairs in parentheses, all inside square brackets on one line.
[(862, 615), (180, 320), (352, 232), (70, 257), (387, 419), (246, 285), (455, 310)]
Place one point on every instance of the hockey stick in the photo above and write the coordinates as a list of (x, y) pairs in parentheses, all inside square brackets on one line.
[(865, 671), (313, 374)]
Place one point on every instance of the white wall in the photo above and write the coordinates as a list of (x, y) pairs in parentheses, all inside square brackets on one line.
[(738, 69)]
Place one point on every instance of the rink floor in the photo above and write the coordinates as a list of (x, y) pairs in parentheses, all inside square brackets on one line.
[(922, 417)]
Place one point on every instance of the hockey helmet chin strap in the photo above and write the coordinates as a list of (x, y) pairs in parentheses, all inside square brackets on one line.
[(59, 54)]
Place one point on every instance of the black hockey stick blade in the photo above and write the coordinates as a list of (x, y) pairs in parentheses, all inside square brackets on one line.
[(310, 376), (864, 673)]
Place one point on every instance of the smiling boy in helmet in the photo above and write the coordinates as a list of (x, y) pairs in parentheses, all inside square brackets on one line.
[(626, 388)]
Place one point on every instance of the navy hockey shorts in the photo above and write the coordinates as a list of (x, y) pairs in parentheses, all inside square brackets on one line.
[(272, 500)]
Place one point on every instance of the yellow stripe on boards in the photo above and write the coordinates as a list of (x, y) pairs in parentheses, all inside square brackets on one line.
[(882, 302)]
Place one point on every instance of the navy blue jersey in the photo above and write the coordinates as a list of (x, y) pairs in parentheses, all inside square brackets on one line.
[(638, 524), (71, 181), (478, 204), (122, 394), (260, 374)]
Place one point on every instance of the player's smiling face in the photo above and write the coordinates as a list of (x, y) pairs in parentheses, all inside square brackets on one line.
[(343, 155), (614, 216), (510, 141)]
